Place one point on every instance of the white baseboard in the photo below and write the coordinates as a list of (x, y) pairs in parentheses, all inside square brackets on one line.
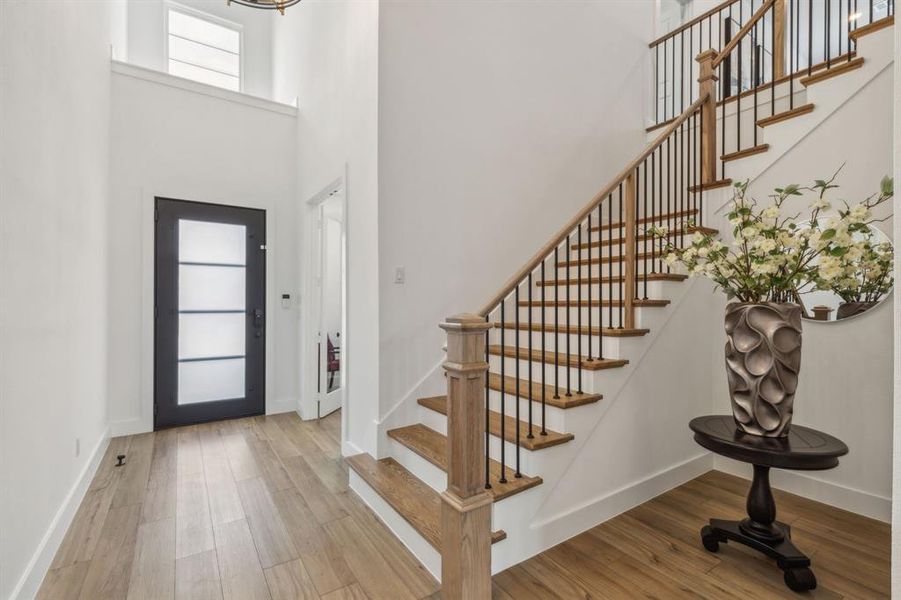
[(809, 486), (128, 427), (31, 579)]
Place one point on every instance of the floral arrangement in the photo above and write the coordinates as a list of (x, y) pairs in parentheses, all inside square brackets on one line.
[(773, 257)]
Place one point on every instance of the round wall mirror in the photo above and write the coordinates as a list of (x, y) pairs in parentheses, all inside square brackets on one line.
[(859, 288)]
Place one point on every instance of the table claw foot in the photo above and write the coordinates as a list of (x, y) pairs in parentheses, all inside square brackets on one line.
[(711, 539), (800, 579)]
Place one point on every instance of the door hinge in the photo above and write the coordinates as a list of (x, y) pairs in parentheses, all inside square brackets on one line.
[(156, 213), (262, 246)]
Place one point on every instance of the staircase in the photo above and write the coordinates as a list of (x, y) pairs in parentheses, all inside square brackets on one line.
[(562, 337)]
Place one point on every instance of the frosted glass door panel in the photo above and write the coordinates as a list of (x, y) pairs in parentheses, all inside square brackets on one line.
[(209, 380), (210, 335), (202, 287), (216, 243)]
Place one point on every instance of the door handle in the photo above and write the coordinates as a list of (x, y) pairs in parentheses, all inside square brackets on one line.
[(258, 320)]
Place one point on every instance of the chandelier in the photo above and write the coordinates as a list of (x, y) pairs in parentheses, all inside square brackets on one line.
[(279, 5)]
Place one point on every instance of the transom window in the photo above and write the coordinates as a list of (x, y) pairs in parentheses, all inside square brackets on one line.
[(207, 50)]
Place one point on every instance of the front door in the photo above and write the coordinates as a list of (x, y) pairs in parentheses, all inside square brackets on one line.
[(210, 299)]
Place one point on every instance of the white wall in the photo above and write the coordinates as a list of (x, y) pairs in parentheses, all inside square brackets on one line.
[(845, 383), (326, 53), (54, 126), (497, 122), (172, 142), (147, 37)]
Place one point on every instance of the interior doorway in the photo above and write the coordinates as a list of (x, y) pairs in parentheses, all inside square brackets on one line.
[(329, 310), (209, 312)]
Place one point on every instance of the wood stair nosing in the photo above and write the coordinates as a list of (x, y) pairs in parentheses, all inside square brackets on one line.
[(651, 219), (432, 446), (639, 303), (785, 115), (603, 280), (536, 442), (872, 27), (834, 71), (713, 185), (551, 358), (411, 498), (575, 330), (564, 402), (688, 231), (745, 153)]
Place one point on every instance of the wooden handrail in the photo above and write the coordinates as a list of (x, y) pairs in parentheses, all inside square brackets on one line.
[(545, 250), (692, 23), (727, 50)]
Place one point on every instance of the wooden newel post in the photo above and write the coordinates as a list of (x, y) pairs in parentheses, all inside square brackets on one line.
[(779, 39), (466, 506), (707, 82)]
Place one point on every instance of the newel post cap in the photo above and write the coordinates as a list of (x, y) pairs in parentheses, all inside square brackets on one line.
[(465, 323), (708, 54)]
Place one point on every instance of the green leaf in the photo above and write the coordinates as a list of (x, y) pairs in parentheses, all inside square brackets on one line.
[(828, 234), (887, 186)]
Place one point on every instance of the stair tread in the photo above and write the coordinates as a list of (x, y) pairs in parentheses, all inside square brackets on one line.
[(595, 280), (538, 442), (785, 115), (432, 446), (837, 69), (745, 153), (640, 238), (415, 501), (596, 364), (651, 219), (584, 330), (649, 303), (509, 387), (720, 183)]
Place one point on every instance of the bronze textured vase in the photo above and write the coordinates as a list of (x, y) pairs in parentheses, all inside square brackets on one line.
[(850, 309), (763, 357)]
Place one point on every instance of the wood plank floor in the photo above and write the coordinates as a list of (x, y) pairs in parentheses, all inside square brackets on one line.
[(259, 508), (654, 551), (244, 509)]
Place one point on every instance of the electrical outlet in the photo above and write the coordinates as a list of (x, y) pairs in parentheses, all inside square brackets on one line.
[(77, 447), (400, 274)]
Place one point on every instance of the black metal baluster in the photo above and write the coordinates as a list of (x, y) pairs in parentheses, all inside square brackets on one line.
[(487, 419), (569, 260), (655, 199), (809, 37), (622, 258), (682, 71), (826, 40), (610, 256), (503, 358), (657, 84), (516, 372), (531, 359), (792, 58), (600, 283), (543, 346), (556, 324), (579, 302), (590, 310), (665, 113)]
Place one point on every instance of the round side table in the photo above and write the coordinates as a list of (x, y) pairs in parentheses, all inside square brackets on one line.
[(803, 449)]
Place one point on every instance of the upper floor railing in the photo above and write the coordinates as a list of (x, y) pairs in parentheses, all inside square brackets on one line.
[(793, 38)]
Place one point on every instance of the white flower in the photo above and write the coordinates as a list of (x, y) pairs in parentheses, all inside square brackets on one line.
[(749, 233), (771, 212), (820, 203), (703, 252), (765, 245), (698, 237), (670, 259), (859, 213)]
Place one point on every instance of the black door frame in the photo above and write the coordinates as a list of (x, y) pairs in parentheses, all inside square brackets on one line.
[(166, 410)]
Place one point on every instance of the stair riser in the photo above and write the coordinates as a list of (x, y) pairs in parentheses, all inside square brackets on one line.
[(612, 346), (438, 422), (554, 416), (609, 270), (570, 315), (510, 371), (655, 289)]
